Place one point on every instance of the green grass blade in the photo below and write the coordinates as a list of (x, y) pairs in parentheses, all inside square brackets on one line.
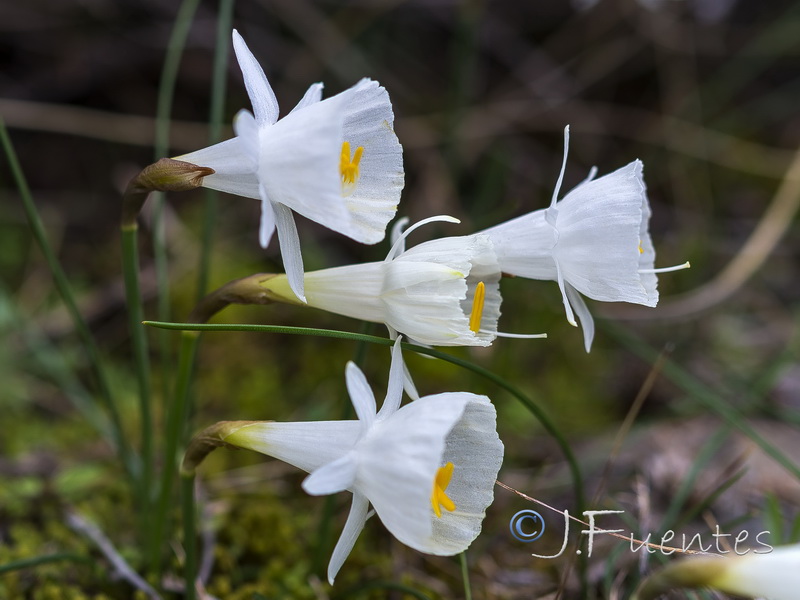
[(65, 291), (27, 563)]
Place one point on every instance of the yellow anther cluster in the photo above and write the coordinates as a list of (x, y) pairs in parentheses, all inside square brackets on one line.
[(349, 167), (440, 483)]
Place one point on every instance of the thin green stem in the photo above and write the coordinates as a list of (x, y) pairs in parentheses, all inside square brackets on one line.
[(169, 73), (535, 410), (220, 69), (221, 52), (462, 558), (27, 563), (65, 290), (130, 270), (177, 416), (189, 534), (166, 92)]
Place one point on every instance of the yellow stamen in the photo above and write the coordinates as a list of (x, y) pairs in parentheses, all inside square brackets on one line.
[(349, 168), (641, 250), (440, 483), (477, 307)]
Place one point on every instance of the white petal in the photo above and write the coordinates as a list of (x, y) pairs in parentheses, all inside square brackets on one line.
[(267, 226), (592, 174), (307, 446), (335, 476), (408, 384), (265, 105), (290, 248), (397, 233), (299, 164), (408, 381), (557, 189), (369, 122), (352, 529), (233, 172), (247, 132), (394, 390), (313, 95), (562, 285), (476, 452), (584, 316), (360, 395), (398, 461)]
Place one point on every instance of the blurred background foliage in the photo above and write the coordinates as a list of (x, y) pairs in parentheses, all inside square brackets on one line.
[(705, 92)]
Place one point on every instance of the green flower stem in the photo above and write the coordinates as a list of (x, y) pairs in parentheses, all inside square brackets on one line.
[(177, 417), (65, 290), (189, 534), (462, 558), (535, 410), (247, 290), (164, 175), (130, 269)]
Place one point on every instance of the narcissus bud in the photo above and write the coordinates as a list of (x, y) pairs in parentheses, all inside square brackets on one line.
[(165, 175)]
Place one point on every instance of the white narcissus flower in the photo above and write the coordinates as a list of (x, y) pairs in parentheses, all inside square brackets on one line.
[(774, 575), (335, 161), (443, 292), (595, 242), (428, 468)]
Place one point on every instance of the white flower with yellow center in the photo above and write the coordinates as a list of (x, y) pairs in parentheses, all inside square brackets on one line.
[(428, 468), (335, 161), (594, 241), (773, 574), (444, 292)]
